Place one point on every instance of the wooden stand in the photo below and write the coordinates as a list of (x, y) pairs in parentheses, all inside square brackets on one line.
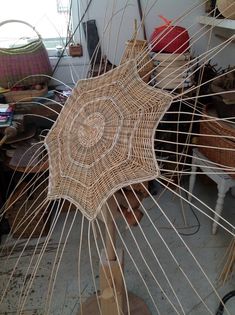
[(137, 306), (112, 299)]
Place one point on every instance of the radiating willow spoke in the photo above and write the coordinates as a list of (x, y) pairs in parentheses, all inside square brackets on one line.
[(147, 265), (47, 77), (170, 252), (151, 249), (109, 274), (133, 261), (40, 256), (30, 220), (51, 207), (218, 49), (41, 116), (202, 84), (161, 179), (204, 57), (31, 162), (8, 205), (188, 249), (206, 118), (117, 258), (107, 136), (166, 32), (44, 105), (14, 270), (90, 228), (32, 212), (55, 268), (212, 94), (193, 134), (89, 182), (79, 264), (50, 100), (198, 145)]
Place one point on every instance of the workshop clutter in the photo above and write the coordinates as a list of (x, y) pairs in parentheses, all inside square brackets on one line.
[(24, 66)]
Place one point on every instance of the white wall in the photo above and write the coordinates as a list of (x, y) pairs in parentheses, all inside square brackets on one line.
[(69, 70), (120, 28), (115, 23)]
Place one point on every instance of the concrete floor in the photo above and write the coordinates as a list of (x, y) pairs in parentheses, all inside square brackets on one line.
[(208, 249)]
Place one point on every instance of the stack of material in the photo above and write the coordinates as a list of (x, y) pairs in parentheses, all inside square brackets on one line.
[(172, 71), (229, 262)]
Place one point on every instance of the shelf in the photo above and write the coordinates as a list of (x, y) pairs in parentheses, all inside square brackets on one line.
[(222, 23)]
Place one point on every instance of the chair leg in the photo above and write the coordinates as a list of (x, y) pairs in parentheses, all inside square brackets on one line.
[(222, 190), (192, 180)]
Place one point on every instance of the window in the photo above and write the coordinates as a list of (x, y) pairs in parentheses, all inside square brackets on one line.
[(52, 19), (62, 6)]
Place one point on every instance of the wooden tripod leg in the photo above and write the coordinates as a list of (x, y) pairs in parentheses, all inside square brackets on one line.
[(112, 293), (110, 237), (111, 267), (110, 275)]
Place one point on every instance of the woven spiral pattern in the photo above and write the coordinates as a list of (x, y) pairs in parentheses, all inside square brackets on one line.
[(103, 138)]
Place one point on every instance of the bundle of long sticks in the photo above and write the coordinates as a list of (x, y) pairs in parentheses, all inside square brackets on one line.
[(229, 262)]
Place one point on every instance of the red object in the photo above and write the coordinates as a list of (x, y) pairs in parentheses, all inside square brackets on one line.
[(169, 38)]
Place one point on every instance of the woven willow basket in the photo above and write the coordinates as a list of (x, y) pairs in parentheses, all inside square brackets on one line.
[(25, 95), (25, 65), (138, 49), (212, 142)]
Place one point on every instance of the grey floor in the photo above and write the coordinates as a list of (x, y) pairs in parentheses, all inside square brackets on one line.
[(207, 248)]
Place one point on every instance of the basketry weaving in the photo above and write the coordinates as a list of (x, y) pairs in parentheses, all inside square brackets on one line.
[(137, 49), (25, 65), (115, 124), (24, 95), (214, 130)]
